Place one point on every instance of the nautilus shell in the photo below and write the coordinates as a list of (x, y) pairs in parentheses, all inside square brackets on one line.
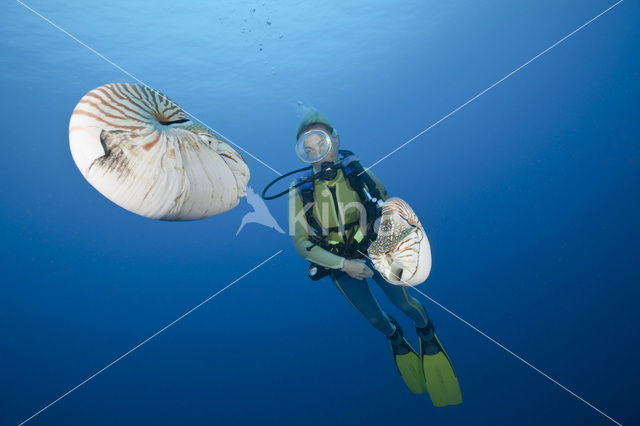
[(401, 251), (141, 151)]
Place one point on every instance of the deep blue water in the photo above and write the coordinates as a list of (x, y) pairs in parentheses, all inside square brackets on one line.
[(529, 196)]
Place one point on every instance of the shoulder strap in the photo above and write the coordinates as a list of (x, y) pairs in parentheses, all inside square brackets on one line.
[(306, 189), (353, 172), (358, 178)]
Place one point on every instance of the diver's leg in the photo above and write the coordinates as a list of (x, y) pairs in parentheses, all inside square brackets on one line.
[(406, 359), (399, 296), (358, 293)]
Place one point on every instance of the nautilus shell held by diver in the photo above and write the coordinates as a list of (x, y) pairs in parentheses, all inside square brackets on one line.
[(401, 251), (140, 150)]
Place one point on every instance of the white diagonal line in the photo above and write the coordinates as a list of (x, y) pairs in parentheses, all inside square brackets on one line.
[(509, 351), (150, 337), (144, 84), (493, 85), (518, 357)]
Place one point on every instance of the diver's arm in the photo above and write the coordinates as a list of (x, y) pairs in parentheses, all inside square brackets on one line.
[(298, 231)]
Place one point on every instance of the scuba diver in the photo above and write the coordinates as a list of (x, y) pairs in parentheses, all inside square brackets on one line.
[(333, 209)]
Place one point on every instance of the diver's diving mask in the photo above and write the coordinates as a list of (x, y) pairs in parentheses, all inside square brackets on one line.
[(314, 145)]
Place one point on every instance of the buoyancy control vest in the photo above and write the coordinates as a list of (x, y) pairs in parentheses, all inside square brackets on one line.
[(368, 193), (370, 198)]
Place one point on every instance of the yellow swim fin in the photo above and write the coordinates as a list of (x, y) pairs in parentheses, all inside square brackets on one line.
[(441, 380), (409, 366), (407, 361)]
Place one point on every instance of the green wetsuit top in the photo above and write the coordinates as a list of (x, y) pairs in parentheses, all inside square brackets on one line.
[(324, 211)]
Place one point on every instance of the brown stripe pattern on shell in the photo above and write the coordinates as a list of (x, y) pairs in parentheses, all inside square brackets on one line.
[(401, 251), (140, 150)]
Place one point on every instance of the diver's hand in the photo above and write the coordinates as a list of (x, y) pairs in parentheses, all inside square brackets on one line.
[(357, 269)]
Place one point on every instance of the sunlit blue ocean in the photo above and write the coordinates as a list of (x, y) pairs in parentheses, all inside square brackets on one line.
[(529, 195)]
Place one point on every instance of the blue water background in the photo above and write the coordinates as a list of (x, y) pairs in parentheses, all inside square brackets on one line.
[(529, 196)]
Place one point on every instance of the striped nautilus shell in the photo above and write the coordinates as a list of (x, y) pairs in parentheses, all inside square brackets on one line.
[(401, 251), (140, 150)]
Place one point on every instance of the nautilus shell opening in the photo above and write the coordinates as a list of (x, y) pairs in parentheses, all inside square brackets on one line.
[(401, 251), (141, 151)]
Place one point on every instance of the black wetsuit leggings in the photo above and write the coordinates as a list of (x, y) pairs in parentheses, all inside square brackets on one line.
[(359, 294)]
